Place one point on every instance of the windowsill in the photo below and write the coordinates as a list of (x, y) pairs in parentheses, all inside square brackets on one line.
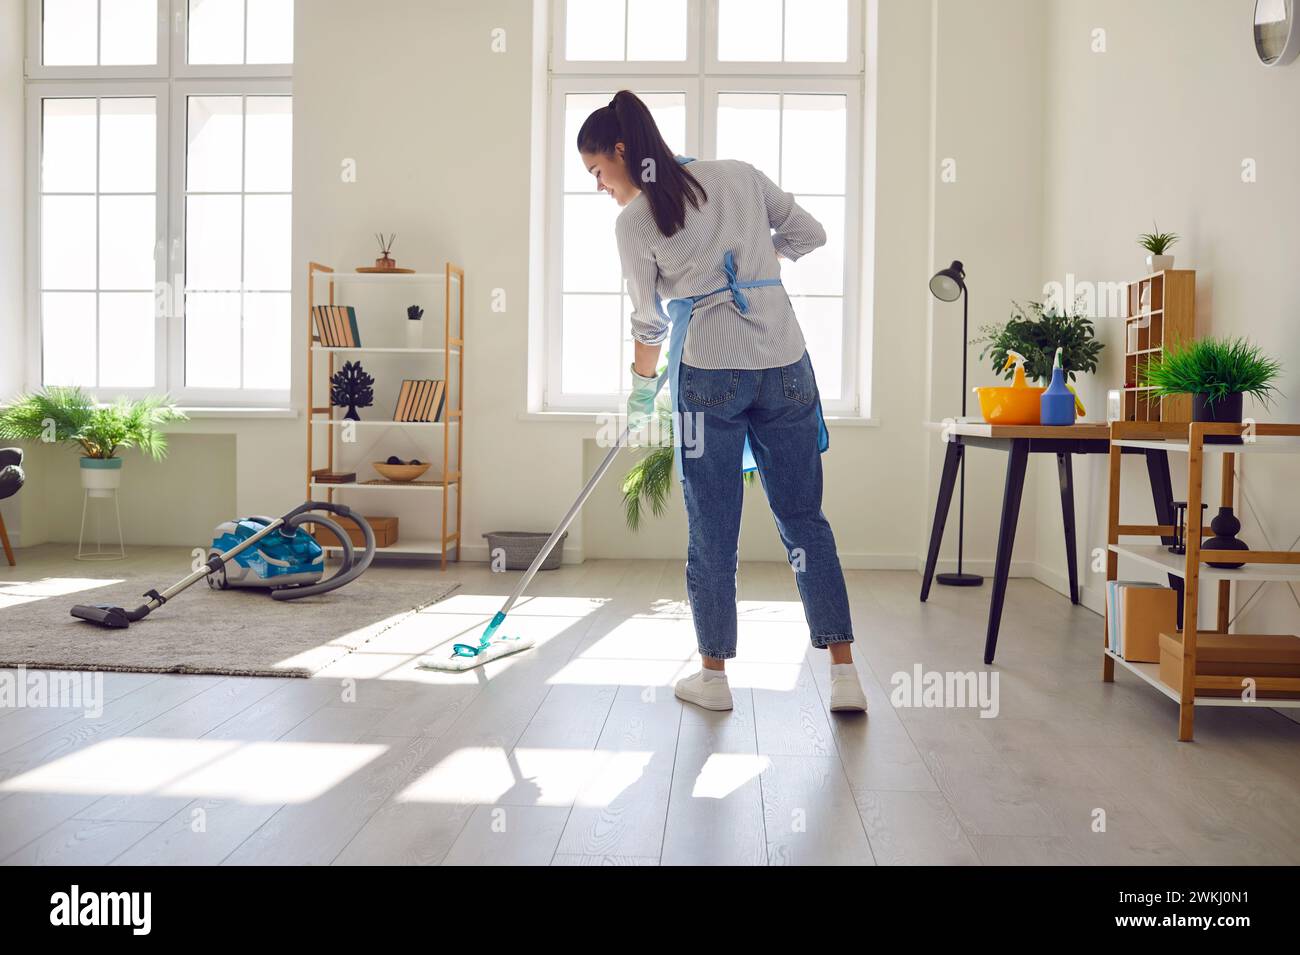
[(592, 417), (209, 411)]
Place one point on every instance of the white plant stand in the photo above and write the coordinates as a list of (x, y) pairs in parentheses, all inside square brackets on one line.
[(99, 553)]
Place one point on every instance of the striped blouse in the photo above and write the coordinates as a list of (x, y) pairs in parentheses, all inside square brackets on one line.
[(746, 213)]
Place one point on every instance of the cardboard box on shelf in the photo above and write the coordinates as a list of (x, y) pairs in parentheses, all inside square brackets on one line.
[(1244, 655), (384, 528)]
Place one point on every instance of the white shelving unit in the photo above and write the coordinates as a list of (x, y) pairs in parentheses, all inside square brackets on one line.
[(1191, 567), (440, 536)]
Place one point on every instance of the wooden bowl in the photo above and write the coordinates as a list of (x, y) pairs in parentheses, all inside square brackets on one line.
[(400, 472)]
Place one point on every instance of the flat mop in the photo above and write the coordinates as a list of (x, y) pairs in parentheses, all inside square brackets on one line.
[(465, 656)]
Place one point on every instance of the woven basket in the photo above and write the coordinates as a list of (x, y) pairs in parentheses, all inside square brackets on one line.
[(521, 547)]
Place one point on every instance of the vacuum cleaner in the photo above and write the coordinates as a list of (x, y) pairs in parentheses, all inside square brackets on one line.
[(275, 554)]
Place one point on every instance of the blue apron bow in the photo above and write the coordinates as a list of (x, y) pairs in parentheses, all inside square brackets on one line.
[(679, 313)]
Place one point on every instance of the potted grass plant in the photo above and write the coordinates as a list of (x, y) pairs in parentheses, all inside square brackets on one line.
[(1158, 244), (71, 416), (1217, 373)]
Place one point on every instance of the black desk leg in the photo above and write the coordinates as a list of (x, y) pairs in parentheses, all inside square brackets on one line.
[(951, 462), (1016, 461), (1162, 495), (1066, 471)]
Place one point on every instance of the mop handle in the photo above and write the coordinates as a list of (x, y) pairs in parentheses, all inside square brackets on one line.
[(572, 513)]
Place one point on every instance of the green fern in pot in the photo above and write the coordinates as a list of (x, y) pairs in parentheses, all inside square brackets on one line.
[(1036, 331)]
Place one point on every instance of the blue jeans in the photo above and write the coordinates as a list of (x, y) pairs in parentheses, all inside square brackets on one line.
[(778, 409)]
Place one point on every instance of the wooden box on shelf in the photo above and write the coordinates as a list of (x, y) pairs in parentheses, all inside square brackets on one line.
[(384, 529), (1234, 657), (1158, 309)]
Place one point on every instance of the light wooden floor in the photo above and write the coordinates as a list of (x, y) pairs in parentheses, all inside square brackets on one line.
[(576, 753)]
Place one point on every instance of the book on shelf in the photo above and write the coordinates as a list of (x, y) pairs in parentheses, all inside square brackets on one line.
[(420, 400), (336, 326), (326, 476)]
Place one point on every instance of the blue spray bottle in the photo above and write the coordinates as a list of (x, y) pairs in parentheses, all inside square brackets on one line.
[(1057, 402)]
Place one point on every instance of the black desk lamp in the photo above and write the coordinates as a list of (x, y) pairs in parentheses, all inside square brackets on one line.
[(948, 285)]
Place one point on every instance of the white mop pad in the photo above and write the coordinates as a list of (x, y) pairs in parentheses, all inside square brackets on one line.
[(499, 647)]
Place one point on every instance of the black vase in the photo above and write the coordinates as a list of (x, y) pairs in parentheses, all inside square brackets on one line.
[(1225, 526), (1225, 410)]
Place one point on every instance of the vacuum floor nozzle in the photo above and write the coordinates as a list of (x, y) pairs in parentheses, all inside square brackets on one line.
[(103, 614)]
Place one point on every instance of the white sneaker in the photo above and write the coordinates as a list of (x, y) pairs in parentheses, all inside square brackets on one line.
[(847, 695), (710, 694)]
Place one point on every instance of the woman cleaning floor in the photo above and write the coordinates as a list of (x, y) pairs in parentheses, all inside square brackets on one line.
[(706, 235)]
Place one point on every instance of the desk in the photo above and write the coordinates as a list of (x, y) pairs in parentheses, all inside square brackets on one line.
[(1020, 441)]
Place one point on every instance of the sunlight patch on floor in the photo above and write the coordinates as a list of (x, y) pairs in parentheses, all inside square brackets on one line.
[(261, 772), (724, 773), (15, 592), (525, 776)]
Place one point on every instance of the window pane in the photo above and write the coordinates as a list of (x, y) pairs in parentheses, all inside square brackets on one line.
[(68, 145), (127, 233), (822, 321), (68, 338), (68, 32), (266, 341), (593, 30), (212, 340), (656, 30), (129, 32), (126, 340), (813, 143), (214, 159), (577, 107), (591, 262), (592, 334), (669, 112), (68, 242), (212, 242), (216, 31), (817, 31), (270, 31), (749, 128), (820, 272), (749, 30), (128, 155), (269, 131), (267, 237)]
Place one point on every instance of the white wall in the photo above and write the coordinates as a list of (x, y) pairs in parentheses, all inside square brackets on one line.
[(12, 327), (1157, 127)]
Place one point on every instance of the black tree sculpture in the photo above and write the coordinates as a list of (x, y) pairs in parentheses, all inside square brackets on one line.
[(351, 388)]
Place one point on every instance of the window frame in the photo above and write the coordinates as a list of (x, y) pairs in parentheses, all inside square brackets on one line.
[(179, 148), (170, 85), (854, 54), (702, 77), (37, 94), (850, 401), (560, 63), (557, 400), (37, 70)]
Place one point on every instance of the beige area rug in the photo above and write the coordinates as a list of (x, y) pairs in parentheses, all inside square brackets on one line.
[(234, 632)]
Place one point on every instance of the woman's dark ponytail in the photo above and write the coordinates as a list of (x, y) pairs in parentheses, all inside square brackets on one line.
[(650, 163)]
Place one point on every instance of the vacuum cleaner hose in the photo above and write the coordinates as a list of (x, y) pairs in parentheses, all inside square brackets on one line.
[(352, 567)]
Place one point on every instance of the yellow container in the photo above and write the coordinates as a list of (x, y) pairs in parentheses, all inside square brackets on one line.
[(1010, 405), (1014, 404)]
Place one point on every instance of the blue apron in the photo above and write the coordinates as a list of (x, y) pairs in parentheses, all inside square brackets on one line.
[(679, 312)]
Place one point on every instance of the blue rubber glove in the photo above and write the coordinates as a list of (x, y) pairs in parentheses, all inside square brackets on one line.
[(641, 402)]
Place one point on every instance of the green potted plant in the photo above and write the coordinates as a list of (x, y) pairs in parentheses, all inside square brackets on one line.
[(650, 480), (1036, 331), (1158, 244), (1216, 372), (70, 415)]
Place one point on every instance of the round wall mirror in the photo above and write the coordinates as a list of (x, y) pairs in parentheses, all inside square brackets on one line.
[(1277, 41)]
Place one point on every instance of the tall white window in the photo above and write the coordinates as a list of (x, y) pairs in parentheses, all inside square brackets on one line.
[(160, 144), (777, 83)]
